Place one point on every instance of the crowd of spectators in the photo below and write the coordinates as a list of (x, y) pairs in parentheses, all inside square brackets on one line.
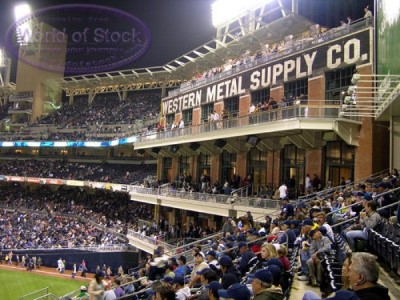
[(66, 217), (256, 259), (62, 169), (104, 110)]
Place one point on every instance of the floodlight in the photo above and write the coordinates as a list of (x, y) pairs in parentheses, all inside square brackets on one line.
[(355, 78), (224, 10), (24, 28)]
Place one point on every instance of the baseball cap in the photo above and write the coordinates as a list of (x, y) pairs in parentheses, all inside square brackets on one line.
[(236, 291), (214, 286), (276, 262), (168, 279), (242, 244), (264, 275), (225, 261), (212, 253), (230, 245), (179, 280), (308, 222), (83, 288)]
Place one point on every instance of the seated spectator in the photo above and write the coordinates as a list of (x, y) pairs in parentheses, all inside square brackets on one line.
[(245, 256), (165, 292), (212, 290), (263, 288), (182, 292), (236, 291), (200, 264), (363, 277), (369, 219), (230, 274), (319, 245)]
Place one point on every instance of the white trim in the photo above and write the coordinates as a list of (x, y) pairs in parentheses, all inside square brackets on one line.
[(316, 77)]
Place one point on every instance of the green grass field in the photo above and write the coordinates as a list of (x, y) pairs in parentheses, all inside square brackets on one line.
[(16, 284)]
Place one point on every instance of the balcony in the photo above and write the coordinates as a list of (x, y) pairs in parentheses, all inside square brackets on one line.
[(312, 116)]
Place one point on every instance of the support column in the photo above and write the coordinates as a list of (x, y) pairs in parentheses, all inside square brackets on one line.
[(71, 99)]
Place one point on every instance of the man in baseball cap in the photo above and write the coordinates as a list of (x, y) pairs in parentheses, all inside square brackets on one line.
[(236, 291)]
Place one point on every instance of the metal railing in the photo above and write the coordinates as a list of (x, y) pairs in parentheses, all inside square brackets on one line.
[(313, 109), (328, 192), (228, 200)]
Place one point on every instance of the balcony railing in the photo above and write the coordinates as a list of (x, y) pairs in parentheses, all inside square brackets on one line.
[(316, 109), (231, 201)]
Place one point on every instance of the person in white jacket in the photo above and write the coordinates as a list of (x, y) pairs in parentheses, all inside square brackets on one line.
[(182, 291)]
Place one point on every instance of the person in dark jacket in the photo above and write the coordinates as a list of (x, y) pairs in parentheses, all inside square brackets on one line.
[(363, 277)]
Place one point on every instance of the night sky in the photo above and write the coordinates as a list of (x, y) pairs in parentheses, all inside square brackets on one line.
[(178, 26)]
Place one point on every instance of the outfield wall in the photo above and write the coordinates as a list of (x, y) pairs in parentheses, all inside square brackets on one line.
[(126, 259)]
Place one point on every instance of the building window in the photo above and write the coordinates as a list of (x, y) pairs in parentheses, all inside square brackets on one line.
[(170, 119), (167, 169), (183, 165), (206, 110), (296, 88), (187, 116), (336, 82), (293, 169), (260, 96), (228, 161), (231, 105), (339, 162), (204, 164)]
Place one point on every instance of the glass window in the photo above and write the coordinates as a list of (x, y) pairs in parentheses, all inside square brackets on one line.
[(170, 119), (187, 116), (260, 96), (167, 169), (206, 110), (296, 88), (336, 82), (231, 105)]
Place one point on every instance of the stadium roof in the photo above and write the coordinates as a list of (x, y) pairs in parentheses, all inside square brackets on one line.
[(232, 40)]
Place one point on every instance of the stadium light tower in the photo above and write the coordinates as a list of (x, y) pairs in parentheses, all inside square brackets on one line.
[(24, 27)]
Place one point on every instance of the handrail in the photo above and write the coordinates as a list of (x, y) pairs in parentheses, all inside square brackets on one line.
[(317, 110), (333, 189), (242, 190), (375, 196), (355, 217)]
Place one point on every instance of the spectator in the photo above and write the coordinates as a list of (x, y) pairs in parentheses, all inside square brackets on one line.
[(363, 277), (213, 289), (368, 220), (262, 286), (96, 287), (83, 295), (237, 292), (319, 245), (182, 292)]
